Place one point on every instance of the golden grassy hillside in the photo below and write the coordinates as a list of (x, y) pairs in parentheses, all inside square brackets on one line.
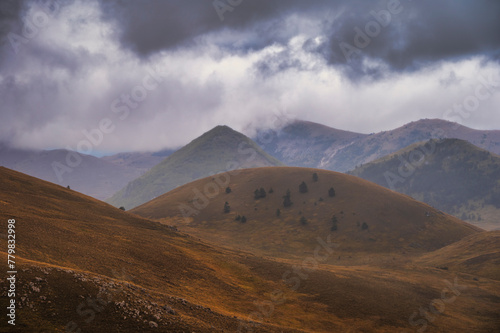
[(371, 220), (131, 274), (476, 254)]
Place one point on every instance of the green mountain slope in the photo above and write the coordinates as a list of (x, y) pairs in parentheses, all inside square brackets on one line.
[(449, 174), (220, 149)]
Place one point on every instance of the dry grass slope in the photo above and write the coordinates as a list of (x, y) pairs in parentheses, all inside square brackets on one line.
[(395, 224), (72, 248)]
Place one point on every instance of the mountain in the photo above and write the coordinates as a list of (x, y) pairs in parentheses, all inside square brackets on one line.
[(220, 149), (449, 174), (331, 149), (84, 173), (306, 144), (86, 266), (143, 161), (371, 221)]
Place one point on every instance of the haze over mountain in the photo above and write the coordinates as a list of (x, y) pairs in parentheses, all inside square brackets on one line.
[(87, 174), (450, 174), (220, 149), (369, 219), (86, 265), (308, 144), (139, 160)]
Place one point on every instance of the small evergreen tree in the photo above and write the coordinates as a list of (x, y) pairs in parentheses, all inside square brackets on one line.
[(227, 208), (287, 201), (238, 218), (364, 226), (122, 208), (303, 187), (270, 191), (262, 192), (334, 223), (69, 188), (331, 192), (315, 177), (303, 220), (278, 212), (256, 194), (243, 219), (228, 190)]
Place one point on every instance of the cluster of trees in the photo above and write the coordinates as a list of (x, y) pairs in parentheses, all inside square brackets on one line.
[(242, 219), (259, 193)]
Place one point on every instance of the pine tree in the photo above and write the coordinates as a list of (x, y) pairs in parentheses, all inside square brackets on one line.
[(243, 219), (262, 192), (278, 212), (334, 223), (303, 187), (287, 201), (228, 190), (331, 192), (303, 220), (227, 208), (315, 177)]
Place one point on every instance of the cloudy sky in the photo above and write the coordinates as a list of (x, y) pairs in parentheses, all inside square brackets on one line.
[(153, 74)]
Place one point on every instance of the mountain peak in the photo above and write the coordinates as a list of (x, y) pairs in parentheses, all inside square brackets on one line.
[(218, 150)]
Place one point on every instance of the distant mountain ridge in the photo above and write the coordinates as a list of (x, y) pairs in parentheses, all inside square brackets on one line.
[(450, 174), (303, 143), (87, 174), (220, 149)]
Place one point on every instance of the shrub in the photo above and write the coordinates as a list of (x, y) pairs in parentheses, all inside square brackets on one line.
[(303, 187), (364, 226), (228, 190), (122, 208), (331, 192), (243, 219), (270, 191), (237, 218), (303, 220)]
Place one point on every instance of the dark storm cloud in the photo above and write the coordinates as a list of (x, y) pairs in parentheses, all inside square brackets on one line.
[(153, 25), (421, 32)]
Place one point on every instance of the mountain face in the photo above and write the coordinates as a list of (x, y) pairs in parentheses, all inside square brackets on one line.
[(220, 149), (139, 160), (84, 173), (313, 145), (306, 144), (449, 174), (363, 217)]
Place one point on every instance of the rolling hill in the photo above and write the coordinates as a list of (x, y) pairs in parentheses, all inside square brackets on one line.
[(476, 254), (85, 173), (313, 145), (83, 264), (449, 174), (370, 220), (218, 150)]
